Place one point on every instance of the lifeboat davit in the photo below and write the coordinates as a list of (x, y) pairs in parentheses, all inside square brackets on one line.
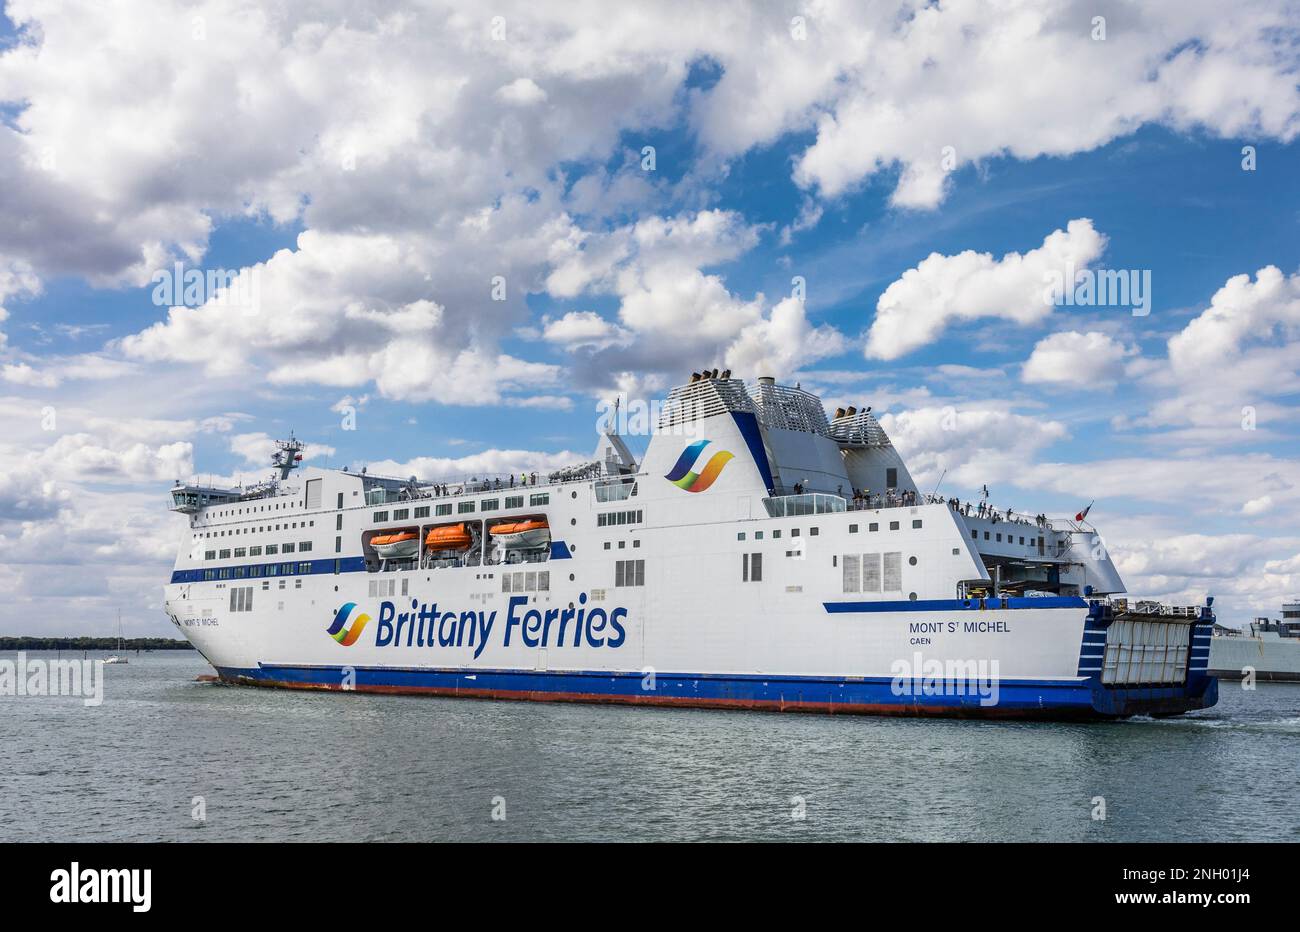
[(398, 545), (523, 535), (449, 537)]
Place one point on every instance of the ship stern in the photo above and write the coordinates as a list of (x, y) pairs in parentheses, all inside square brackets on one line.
[(1148, 660)]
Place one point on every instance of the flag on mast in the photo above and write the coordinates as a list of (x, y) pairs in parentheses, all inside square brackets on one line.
[(1083, 514)]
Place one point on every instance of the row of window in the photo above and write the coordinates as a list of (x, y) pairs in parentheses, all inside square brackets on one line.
[(271, 550), (612, 518), (398, 514), (1011, 538), (272, 569), (853, 529), (385, 588), (526, 581), (464, 508), (252, 509), (297, 584), (629, 573), (776, 533), (256, 530), (873, 572), (751, 567), (241, 598)]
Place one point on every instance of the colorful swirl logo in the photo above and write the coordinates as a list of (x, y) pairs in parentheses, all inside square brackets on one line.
[(682, 476), (344, 635)]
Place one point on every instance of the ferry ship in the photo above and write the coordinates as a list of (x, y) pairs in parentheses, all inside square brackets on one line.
[(760, 555)]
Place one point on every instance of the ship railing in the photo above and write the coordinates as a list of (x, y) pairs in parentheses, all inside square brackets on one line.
[(996, 516), (888, 500), (807, 503), (474, 485), (1153, 607)]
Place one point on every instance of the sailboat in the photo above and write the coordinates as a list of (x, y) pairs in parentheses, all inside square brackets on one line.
[(118, 658)]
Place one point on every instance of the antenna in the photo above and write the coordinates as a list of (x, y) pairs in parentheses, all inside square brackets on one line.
[(287, 455), (939, 483)]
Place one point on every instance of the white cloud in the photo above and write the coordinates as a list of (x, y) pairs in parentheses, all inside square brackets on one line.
[(583, 328), (1199, 487), (521, 91), (971, 445), (915, 309), (781, 342), (1257, 506), (1081, 360), (348, 310), (1162, 562), (1231, 373), (347, 401), (54, 371), (954, 77), (1243, 316)]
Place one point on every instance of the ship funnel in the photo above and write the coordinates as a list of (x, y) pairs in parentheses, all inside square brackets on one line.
[(713, 374), (852, 411), (726, 373), (695, 377), (839, 413)]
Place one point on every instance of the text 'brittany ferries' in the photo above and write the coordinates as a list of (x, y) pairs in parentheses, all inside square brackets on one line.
[(425, 626)]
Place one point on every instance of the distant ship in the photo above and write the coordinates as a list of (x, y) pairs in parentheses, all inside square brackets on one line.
[(760, 556), (1271, 649), (118, 658)]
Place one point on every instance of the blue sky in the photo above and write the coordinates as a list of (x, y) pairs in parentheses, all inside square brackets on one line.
[(372, 169)]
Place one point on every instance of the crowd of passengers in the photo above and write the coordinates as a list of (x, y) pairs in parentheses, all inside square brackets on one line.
[(474, 485), (864, 499)]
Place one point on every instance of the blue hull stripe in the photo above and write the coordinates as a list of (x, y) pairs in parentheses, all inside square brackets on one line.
[(1040, 698), (955, 605), (277, 568)]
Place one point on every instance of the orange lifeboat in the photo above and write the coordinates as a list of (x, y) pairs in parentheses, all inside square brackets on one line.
[(448, 537), (396, 545), (529, 534)]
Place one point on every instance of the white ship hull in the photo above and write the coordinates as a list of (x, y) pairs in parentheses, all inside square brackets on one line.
[(1266, 658)]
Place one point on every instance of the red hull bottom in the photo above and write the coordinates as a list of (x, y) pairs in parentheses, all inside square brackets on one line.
[(682, 702)]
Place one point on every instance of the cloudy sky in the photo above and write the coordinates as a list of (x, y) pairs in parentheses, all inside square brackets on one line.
[(470, 223)]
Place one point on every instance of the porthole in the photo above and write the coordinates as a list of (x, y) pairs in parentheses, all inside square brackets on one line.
[(573, 522), (911, 561), (912, 596), (570, 577), (573, 494)]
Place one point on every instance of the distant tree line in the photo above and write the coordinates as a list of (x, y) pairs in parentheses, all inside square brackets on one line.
[(35, 643)]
